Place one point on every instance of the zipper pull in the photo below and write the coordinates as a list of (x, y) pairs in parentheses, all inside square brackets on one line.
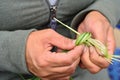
[(53, 23)]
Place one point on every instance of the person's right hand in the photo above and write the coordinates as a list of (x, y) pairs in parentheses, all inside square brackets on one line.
[(51, 65)]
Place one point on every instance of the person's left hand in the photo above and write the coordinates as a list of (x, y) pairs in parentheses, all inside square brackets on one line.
[(101, 30)]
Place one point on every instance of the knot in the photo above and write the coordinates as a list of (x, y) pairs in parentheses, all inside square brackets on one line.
[(83, 38)]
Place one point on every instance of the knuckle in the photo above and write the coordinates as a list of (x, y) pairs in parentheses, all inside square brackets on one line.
[(44, 75), (43, 64), (71, 70), (105, 65), (66, 78), (51, 31), (101, 61), (41, 75), (92, 57), (68, 62), (94, 70)]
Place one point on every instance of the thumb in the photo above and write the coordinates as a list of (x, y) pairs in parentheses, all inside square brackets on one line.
[(62, 42), (111, 41)]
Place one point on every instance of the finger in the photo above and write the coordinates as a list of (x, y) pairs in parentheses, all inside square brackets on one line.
[(97, 59), (81, 28), (56, 77), (65, 78), (111, 41), (60, 78), (65, 59), (81, 65), (87, 62), (68, 70), (101, 32), (61, 41), (64, 71), (53, 75)]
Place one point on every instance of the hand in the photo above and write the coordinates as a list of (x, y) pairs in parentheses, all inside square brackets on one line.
[(51, 65), (101, 30)]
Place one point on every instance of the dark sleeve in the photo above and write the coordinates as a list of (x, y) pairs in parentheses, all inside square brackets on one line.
[(109, 8)]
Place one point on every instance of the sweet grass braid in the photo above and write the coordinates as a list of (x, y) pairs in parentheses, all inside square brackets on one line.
[(86, 39)]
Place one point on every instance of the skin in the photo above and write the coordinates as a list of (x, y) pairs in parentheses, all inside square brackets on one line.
[(101, 29), (59, 65), (51, 65)]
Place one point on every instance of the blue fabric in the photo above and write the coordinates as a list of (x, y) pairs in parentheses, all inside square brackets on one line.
[(114, 69), (118, 26)]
